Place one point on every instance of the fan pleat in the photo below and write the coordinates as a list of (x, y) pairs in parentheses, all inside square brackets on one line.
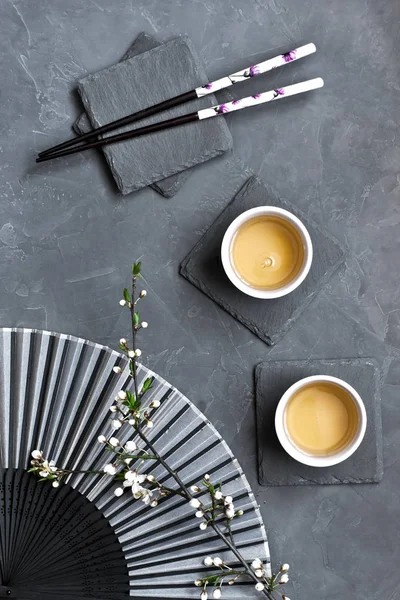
[(80, 541)]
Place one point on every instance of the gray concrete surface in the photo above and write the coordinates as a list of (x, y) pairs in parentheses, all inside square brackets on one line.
[(67, 239)]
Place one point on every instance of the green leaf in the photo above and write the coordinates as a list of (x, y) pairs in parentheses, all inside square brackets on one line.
[(121, 347), (136, 318), (147, 384), (131, 402), (136, 268), (212, 488), (213, 578), (126, 295)]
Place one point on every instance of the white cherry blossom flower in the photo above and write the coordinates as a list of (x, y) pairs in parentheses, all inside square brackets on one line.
[(194, 503), (131, 446), (110, 469)]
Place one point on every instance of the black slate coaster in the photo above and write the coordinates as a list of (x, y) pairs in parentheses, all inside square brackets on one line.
[(169, 186), (275, 466), (133, 84), (269, 319)]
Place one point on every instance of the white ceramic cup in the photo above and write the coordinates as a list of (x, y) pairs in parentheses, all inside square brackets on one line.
[(227, 244), (289, 445)]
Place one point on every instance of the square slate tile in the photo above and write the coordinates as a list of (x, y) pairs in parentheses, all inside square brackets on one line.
[(133, 84), (275, 466), (169, 186), (269, 319)]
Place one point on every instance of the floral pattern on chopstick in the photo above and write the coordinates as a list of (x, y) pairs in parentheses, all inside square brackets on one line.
[(255, 99), (228, 107), (247, 73)]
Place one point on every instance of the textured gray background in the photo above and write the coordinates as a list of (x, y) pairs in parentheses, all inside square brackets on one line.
[(67, 239)]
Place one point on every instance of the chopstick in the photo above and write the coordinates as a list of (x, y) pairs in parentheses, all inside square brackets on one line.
[(198, 92), (205, 113)]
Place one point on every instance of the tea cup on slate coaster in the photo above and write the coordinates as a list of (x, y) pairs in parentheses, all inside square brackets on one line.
[(275, 466), (268, 319), (148, 78)]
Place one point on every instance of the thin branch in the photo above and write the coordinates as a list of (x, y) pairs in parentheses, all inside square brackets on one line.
[(213, 525)]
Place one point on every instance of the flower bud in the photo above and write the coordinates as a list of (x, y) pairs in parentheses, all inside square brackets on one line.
[(122, 395), (117, 369), (217, 593), (122, 341), (149, 423), (203, 526), (113, 409), (110, 469), (198, 583), (199, 514), (207, 477), (118, 492), (239, 513), (142, 294), (208, 561), (195, 488), (37, 454), (56, 484), (138, 352), (259, 586), (122, 302), (285, 597), (218, 561), (284, 579), (102, 439), (230, 513), (144, 324), (116, 423), (194, 503), (256, 564), (114, 442), (130, 446), (155, 404), (131, 354), (150, 478), (284, 568), (259, 573), (228, 500), (153, 503), (203, 595), (218, 495)]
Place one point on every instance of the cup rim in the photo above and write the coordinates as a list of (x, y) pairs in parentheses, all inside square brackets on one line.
[(319, 461), (226, 252)]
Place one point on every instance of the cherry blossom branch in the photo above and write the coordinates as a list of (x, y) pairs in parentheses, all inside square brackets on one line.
[(129, 457)]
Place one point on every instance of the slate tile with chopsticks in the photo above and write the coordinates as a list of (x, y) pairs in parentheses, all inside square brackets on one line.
[(143, 80), (169, 186)]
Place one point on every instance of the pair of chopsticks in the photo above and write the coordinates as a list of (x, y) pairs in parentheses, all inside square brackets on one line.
[(90, 140)]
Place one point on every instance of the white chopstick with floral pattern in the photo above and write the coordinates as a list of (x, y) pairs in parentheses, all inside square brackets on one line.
[(263, 67), (284, 92)]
